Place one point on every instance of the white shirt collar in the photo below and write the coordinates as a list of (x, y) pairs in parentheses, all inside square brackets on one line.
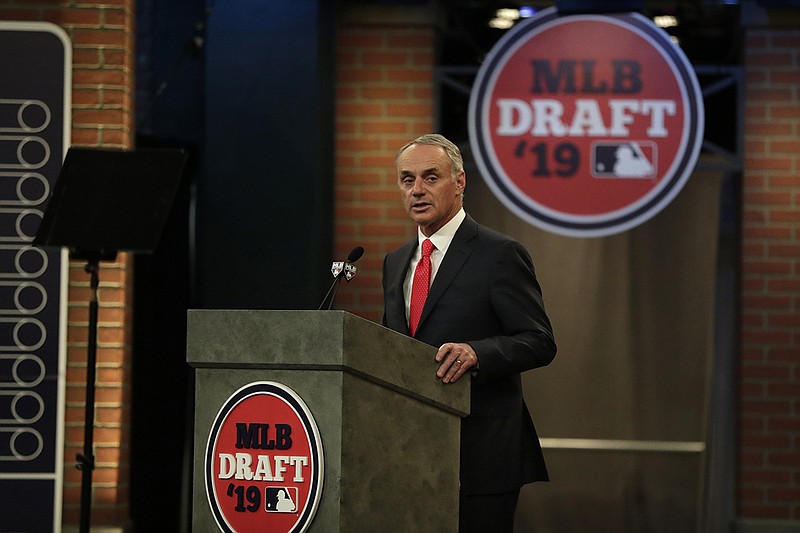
[(442, 238)]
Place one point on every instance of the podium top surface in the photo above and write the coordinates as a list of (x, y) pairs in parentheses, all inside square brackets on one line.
[(321, 340)]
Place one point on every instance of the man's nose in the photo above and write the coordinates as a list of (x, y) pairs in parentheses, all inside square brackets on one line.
[(418, 188)]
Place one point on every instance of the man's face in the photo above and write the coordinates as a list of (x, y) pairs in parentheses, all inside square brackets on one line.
[(430, 195)]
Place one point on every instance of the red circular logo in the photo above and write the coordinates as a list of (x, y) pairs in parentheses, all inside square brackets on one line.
[(586, 125), (264, 462)]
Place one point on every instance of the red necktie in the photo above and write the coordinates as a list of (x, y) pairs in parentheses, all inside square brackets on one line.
[(419, 289)]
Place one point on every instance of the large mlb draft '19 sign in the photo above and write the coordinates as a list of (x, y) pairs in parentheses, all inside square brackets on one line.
[(263, 461), (586, 125)]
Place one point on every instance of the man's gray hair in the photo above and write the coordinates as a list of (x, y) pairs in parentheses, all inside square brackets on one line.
[(434, 139)]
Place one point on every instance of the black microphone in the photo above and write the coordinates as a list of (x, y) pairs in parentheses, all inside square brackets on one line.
[(342, 269), (355, 254)]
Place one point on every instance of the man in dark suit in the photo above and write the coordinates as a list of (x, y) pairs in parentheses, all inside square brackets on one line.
[(484, 310)]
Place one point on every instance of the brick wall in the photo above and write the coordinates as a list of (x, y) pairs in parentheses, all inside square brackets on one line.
[(102, 33), (769, 418), (384, 98)]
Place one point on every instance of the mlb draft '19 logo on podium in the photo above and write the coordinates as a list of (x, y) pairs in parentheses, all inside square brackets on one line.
[(264, 461), (586, 125)]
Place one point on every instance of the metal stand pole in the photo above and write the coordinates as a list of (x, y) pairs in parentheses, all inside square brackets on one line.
[(86, 459)]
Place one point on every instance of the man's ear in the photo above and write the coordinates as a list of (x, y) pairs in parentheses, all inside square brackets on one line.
[(461, 182)]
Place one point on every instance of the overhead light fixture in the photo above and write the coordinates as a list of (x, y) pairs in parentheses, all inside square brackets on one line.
[(507, 14), (505, 17), (500, 24), (665, 21)]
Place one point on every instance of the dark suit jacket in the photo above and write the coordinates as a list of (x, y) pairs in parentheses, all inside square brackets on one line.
[(485, 293)]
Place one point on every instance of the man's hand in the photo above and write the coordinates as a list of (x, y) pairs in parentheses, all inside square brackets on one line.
[(456, 358)]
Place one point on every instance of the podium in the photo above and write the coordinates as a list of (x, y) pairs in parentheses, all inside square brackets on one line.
[(389, 429)]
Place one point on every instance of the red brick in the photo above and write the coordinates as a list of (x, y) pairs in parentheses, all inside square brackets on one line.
[(770, 59), (770, 128), (792, 182), (422, 39), (360, 109), (381, 59), (384, 126), (115, 58), (787, 459), (769, 163), (409, 75), (116, 138), (116, 17), (28, 15), (359, 41), (356, 213), (74, 17), (777, 512), (767, 94), (764, 441), (385, 93), (766, 232), (359, 75), (382, 230), (96, 116), (771, 267), (788, 40), (761, 372), (779, 77), (792, 215), (94, 78)]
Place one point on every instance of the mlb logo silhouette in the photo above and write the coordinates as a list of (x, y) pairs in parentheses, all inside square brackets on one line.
[(281, 499), (630, 159)]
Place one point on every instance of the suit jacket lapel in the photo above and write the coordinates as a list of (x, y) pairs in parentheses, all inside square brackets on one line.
[(396, 281)]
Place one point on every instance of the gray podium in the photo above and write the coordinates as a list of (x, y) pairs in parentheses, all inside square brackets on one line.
[(390, 430)]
